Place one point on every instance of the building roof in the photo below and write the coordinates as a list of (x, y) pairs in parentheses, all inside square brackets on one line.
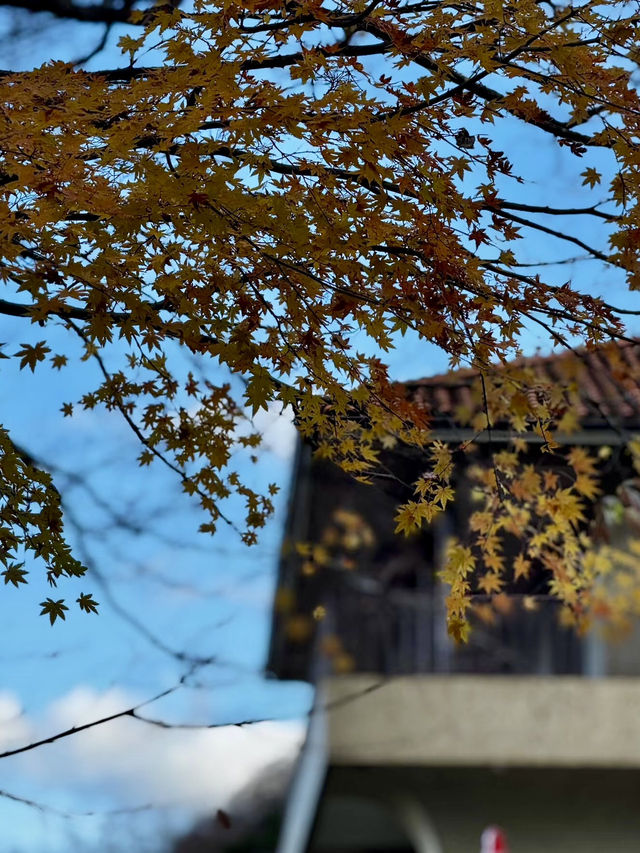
[(605, 382)]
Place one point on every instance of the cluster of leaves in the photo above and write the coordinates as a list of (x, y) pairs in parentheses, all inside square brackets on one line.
[(540, 526), (344, 546), (31, 525), (290, 187), (542, 522)]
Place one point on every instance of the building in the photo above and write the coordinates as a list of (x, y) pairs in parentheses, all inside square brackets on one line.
[(415, 743)]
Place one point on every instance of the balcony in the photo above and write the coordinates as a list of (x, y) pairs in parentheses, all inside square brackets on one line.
[(403, 632)]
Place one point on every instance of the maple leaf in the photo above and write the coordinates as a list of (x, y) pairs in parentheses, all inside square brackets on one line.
[(581, 461), (30, 355), (490, 583), (587, 486), (59, 361), (87, 603), (15, 574), (259, 391), (198, 200), (591, 177), (53, 609), (521, 567), (458, 629), (408, 519)]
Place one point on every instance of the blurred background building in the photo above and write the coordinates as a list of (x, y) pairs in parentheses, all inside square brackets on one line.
[(416, 743)]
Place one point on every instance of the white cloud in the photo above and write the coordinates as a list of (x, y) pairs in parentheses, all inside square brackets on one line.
[(14, 728), (279, 433), (201, 769), (275, 424)]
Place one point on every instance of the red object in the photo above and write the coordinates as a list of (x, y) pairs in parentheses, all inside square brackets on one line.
[(493, 840)]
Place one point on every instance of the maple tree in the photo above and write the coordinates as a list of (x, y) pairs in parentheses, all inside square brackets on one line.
[(285, 190)]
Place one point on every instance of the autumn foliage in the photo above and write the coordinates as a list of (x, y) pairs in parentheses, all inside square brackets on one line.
[(285, 189)]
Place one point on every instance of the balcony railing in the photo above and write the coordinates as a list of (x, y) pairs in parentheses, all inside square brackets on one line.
[(404, 631)]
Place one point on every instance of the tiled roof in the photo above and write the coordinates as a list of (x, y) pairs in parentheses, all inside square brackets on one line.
[(605, 382)]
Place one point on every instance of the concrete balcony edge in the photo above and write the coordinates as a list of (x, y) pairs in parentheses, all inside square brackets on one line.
[(495, 721)]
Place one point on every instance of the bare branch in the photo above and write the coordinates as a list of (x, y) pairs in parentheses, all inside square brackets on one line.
[(128, 712), (47, 809)]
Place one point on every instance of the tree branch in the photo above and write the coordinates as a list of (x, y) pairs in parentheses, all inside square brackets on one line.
[(47, 809), (128, 712), (93, 13), (501, 204), (596, 253)]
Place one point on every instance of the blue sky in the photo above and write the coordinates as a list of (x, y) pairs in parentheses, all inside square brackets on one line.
[(207, 597)]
